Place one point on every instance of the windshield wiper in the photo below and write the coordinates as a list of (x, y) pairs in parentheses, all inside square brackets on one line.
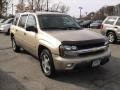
[(71, 28), (61, 28), (53, 28)]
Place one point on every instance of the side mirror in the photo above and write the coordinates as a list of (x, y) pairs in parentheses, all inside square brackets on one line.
[(32, 29)]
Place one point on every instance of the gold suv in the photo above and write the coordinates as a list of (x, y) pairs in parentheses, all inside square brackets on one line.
[(58, 41)]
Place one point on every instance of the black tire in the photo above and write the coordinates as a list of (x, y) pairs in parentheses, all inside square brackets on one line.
[(8, 32), (15, 47), (112, 37), (46, 54)]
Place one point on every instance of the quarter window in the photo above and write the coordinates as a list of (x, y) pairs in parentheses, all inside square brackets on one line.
[(22, 21), (16, 19)]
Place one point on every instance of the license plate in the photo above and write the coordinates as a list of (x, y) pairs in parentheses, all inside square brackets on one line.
[(96, 63)]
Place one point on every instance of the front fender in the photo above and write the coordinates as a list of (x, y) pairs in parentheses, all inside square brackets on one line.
[(52, 46)]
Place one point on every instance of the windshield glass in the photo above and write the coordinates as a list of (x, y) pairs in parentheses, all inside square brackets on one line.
[(63, 22), (8, 21)]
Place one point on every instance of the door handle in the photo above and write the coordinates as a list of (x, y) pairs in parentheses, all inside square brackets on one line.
[(115, 27)]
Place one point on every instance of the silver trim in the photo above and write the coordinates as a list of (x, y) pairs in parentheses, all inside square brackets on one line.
[(90, 50)]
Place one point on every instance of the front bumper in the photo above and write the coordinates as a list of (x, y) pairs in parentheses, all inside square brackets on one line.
[(71, 63), (118, 35)]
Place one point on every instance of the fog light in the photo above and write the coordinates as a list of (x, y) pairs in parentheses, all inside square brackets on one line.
[(69, 65)]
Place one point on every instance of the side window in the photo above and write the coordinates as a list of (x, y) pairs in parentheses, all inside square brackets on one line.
[(31, 21), (16, 19), (22, 21), (110, 20), (118, 22)]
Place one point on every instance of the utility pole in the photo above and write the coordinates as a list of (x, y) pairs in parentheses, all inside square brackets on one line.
[(6, 8), (47, 5), (80, 11), (12, 9), (32, 4)]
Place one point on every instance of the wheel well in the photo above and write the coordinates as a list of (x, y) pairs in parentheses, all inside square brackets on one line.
[(40, 49), (110, 31)]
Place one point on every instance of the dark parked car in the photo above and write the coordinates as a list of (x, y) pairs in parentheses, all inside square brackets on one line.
[(86, 24), (96, 24), (79, 21)]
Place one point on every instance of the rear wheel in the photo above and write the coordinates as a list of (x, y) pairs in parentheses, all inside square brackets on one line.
[(15, 47), (8, 32), (47, 64), (112, 37)]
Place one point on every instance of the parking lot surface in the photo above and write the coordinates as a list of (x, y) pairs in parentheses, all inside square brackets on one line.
[(21, 71)]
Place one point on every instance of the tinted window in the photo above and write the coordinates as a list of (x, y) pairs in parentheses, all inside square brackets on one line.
[(31, 21), (110, 20), (22, 21), (118, 22), (16, 19)]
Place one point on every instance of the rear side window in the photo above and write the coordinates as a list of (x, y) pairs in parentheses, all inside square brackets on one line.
[(22, 21), (110, 20), (31, 21), (118, 22), (16, 19)]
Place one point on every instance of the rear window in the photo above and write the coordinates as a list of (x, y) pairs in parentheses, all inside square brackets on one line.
[(110, 20)]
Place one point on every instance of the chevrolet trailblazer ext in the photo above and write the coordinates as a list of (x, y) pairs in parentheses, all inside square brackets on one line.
[(58, 41)]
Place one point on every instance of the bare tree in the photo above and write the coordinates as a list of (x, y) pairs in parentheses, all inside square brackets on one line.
[(64, 9), (41, 5), (59, 7), (4, 5)]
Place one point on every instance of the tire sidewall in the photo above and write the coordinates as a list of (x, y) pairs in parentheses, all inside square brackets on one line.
[(52, 69), (13, 42), (112, 33)]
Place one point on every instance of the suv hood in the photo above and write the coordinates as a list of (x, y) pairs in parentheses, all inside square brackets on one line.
[(75, 35)]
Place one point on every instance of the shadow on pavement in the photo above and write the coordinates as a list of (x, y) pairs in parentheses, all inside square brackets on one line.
[(106, 77), (7, 82)]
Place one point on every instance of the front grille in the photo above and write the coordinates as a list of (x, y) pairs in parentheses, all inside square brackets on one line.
[(86, 44), (91, 53), (91, 45)]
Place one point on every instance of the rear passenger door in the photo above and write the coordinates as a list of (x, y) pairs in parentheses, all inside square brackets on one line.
[(31, 34), (20, 30)]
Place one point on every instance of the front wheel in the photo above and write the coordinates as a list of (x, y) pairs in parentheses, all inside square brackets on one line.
[(47, 64), (15, 47)]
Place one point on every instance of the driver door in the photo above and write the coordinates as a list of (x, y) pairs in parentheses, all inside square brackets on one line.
[(31, 35)]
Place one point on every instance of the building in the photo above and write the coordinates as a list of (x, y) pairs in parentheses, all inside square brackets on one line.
[(117, 10)]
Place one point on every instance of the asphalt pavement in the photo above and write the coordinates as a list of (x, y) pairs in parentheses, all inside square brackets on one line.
[(21, 71)]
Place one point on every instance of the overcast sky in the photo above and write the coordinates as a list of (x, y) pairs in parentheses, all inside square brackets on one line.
[(87, 5)]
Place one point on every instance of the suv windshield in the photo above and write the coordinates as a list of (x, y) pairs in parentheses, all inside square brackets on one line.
[(51, 22)]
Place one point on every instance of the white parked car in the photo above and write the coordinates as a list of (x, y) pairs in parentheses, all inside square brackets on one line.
[(5, 27)]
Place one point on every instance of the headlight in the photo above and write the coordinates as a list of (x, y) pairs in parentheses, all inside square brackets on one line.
[(106, 41), (2, 26), (70, 48), (65, 50)]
